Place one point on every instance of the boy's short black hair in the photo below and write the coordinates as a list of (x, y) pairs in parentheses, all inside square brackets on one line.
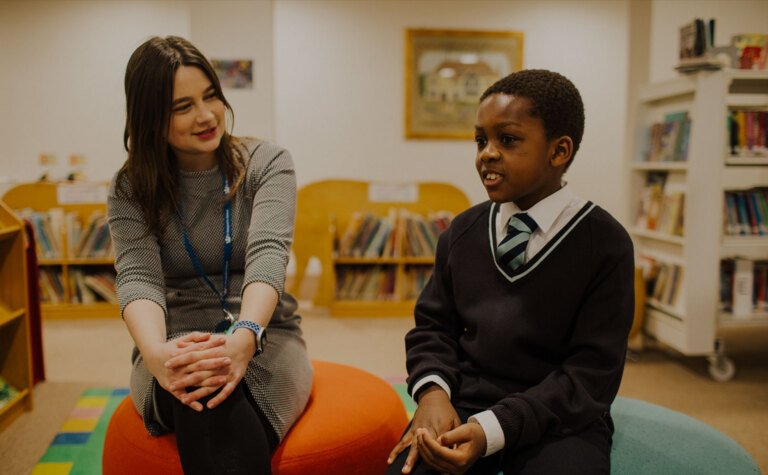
[(554, 99)]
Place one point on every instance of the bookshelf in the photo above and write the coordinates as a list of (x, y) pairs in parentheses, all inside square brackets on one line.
[(689, 321), (324, 210), (15, 352), (84, 200)]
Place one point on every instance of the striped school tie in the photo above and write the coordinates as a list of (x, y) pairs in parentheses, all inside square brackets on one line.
[(511, 250)]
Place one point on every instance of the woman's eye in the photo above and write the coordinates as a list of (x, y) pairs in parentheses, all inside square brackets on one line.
[(181, 108), (210, 96)]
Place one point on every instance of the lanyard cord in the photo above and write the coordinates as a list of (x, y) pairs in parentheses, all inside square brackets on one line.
[(227, 212)]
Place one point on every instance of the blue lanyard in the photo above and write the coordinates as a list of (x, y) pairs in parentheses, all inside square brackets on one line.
[(227, 249)]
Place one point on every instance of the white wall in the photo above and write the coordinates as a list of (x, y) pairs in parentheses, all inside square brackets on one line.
[(339, 86), (62, 79), (237, 29), (61, 82), (732, 17)]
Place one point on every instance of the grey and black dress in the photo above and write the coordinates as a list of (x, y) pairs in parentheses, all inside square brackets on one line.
[(159, 269)]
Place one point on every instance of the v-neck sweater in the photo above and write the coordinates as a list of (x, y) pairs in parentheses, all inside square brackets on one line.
[(542, 347)]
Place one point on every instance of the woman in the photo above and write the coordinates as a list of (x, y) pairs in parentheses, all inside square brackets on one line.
[(202, 223)]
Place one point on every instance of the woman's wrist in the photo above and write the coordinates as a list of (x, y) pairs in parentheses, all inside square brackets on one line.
[(246, 340)]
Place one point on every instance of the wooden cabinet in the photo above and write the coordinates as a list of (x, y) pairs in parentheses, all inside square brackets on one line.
[(689, 324), (44, 196), (15, 354), (324, 210)]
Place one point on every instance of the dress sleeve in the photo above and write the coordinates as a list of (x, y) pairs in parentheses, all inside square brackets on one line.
[(432, 345), (270, 233), (582, 389), (137, 252)]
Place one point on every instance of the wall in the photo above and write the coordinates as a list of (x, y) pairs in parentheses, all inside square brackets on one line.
[(339, 86), (61, 84), (732, 17)]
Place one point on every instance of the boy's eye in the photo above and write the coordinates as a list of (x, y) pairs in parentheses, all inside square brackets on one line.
[(508, 140), (480, 141)]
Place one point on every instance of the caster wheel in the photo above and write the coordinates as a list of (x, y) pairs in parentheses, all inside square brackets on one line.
[(722, 369)]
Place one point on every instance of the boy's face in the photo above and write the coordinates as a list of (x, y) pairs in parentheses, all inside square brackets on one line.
[(514, 158)]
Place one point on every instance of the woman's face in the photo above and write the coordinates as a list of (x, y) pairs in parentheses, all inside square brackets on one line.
[(197, 119)]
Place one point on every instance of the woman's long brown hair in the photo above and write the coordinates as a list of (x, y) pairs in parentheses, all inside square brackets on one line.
[(151, 169)]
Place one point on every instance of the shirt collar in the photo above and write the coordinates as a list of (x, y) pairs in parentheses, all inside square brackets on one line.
[(545, 212)]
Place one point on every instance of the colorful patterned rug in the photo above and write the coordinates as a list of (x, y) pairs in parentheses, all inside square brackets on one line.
[(76, 449)]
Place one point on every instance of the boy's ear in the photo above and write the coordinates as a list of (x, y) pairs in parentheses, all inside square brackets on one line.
[(562, 151)]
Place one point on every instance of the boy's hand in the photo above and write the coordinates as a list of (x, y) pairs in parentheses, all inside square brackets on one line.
[(435, 414), (455, 451)]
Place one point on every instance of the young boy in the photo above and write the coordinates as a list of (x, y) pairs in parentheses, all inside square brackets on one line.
[(520, 336)]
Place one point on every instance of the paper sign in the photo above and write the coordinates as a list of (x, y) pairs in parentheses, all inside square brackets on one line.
[(393, 192), (81, 193)]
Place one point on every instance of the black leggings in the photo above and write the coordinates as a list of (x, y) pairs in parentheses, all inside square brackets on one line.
[(233, 438)]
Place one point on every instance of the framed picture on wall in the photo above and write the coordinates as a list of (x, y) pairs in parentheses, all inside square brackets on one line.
[(446, 71), (234, 73)]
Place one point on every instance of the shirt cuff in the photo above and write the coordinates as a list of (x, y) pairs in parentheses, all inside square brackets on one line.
[(432, 378), (494, 435)]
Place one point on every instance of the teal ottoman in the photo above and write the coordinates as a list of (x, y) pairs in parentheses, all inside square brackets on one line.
[(650, 439)]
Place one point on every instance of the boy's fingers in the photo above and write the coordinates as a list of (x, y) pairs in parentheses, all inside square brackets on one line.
[(410, 461), (404, 442)]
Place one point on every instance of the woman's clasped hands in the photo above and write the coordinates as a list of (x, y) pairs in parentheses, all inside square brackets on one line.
[(204, 363)]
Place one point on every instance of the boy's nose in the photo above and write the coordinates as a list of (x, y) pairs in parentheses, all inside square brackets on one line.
[(489, 153)]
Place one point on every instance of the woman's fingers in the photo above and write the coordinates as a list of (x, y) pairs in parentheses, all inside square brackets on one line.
[(193, 356), (224, 394)]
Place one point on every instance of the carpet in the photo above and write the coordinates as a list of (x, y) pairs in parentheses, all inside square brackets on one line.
[(77, 448)]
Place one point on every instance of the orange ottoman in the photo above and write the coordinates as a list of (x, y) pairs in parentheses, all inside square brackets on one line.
[(352, 421)]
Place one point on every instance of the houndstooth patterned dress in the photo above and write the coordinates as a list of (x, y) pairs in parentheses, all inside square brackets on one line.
[(159, 269)]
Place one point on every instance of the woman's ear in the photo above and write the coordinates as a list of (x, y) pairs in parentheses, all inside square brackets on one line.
[(562, 151)]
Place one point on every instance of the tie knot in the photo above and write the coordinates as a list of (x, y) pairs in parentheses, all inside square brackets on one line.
[(522, 222)]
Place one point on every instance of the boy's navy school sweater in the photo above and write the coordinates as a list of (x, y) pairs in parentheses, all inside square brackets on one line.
[(542, 347)]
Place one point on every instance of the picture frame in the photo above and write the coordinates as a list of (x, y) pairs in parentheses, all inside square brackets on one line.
[(446, 71), (234, 73)]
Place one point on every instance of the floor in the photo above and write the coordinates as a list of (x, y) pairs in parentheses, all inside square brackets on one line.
[(96, 352)]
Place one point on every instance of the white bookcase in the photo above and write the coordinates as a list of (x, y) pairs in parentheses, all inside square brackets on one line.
[(690, 326)]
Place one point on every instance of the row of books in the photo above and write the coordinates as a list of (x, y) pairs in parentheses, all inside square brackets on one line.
[(400, 233), (365, 283), (83, 288), (662, 280), (59, 233), (746, 212), (667, 141), (747, 133), (378, 282), (416, 278), (661, 207), (743, 286)]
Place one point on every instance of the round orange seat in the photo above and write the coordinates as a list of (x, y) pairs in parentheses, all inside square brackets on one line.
[(352, 421)]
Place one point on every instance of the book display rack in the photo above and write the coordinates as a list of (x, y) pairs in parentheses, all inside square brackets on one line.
[(375, 242), (15, 352), (699, 205), (77, 277)]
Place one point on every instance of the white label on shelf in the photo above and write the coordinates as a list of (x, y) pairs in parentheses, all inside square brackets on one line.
[(393, 192), (79, 193)]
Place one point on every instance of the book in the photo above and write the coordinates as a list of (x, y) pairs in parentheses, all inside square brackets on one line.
[(743, 280)]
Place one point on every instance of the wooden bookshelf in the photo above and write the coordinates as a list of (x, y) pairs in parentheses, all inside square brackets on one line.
[(323, 212), (15, 352), (43, 196)]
